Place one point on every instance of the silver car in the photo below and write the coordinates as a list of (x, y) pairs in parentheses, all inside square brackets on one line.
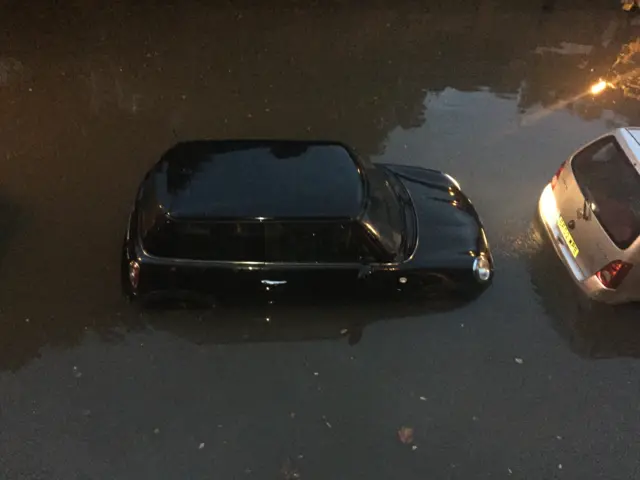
[(591, 211)]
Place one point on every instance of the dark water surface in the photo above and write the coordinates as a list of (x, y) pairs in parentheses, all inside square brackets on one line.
[(494, 94)]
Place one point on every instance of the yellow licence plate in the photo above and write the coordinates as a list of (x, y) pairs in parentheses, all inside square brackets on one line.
[(568, 239)]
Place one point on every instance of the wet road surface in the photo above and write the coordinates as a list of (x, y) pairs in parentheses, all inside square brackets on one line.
[(526, 382)]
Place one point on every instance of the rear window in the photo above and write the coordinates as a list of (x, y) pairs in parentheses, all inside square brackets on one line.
[(611, 185)]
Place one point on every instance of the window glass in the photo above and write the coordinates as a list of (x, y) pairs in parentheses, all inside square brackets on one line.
[(384, 213), (611, 184), (330, 242), (222, 241)]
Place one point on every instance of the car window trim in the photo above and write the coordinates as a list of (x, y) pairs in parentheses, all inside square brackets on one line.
[(142, 254), (372, 242)]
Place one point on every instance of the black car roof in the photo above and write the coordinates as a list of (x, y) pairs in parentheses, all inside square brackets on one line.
[(259, 179)]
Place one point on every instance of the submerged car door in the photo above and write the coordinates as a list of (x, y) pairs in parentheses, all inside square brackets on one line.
[(220, 256), (315, 256), (598, 197)]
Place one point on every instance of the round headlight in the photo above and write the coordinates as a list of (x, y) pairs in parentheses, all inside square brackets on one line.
[(482, 268), (134, 273)]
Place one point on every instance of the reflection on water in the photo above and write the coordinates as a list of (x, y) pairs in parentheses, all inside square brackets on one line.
[(592, 330), (92, 95), (291, 321), (625, 71)]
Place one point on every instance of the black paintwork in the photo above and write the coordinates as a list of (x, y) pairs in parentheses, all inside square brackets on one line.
[(441, 232)]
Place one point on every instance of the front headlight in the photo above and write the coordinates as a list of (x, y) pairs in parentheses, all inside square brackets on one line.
[(482, 268)]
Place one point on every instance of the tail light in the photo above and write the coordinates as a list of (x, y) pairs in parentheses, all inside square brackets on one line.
[(554, 180), (614, 273), (134, 273)]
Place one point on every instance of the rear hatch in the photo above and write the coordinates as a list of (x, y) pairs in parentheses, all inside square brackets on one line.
[(598, 197)]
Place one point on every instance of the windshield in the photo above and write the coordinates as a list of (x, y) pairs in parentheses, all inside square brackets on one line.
[(612, 187), (384, 215)]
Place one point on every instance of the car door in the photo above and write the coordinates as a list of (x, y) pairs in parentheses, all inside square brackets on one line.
[(598, 198), (316, 257), (221, 256)]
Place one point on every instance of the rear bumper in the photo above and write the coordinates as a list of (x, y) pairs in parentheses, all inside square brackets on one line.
[(591, 286)]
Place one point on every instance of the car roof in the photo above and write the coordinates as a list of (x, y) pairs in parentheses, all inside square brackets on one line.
[(270, 179), (629, 138), (634, 132)]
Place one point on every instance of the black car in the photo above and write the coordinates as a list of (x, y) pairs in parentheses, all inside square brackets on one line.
[(265, 217)]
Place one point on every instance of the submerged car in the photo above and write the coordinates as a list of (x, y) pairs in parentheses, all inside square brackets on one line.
[(244, 217), (591, 212)]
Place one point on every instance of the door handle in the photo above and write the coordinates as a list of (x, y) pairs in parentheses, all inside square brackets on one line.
[(272, 283)]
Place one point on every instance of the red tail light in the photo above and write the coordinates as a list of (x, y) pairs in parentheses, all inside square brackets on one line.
[(614, 273), (554, 180)]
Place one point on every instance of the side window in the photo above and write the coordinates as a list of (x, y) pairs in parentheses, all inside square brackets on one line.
[(322, 242), (222, 241)]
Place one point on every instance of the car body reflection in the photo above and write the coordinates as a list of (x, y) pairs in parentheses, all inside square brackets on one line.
[(289, 319)]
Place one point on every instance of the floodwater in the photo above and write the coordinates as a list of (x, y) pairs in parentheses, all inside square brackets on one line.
[(525, 382)]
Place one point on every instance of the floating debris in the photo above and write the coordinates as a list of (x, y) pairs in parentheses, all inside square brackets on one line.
[(289, 471), (405, 434)]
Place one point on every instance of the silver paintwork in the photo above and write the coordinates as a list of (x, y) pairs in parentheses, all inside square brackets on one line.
[(596, 249)]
